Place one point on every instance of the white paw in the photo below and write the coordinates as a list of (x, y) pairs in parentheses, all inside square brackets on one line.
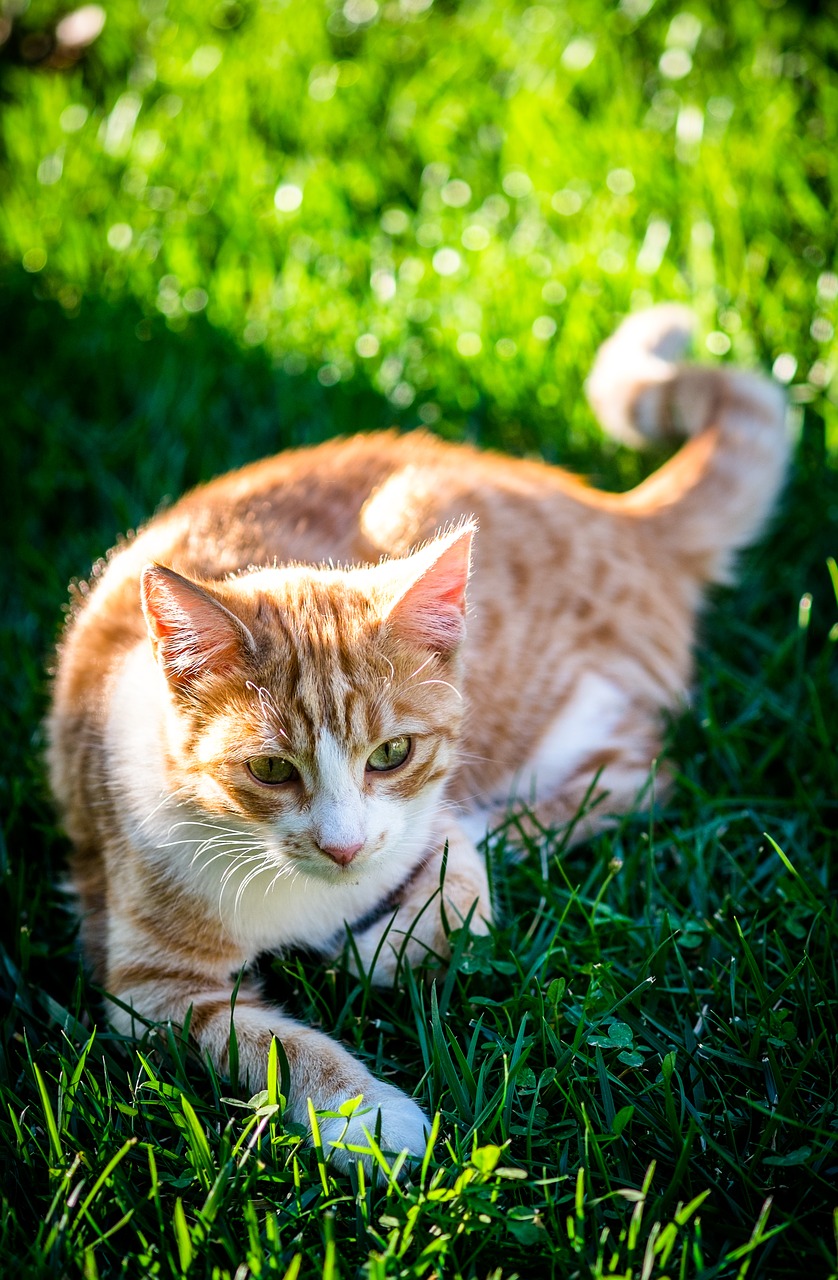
[(403, 1125)]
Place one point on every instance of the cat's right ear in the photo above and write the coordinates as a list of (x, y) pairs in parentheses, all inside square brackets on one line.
[(431, 611), (192, 634)]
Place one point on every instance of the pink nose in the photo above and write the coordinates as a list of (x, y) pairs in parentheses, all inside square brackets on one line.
[(342, 854)]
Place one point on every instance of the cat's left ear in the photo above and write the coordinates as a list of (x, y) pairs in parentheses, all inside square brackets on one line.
[(431, 610), (192, 633)]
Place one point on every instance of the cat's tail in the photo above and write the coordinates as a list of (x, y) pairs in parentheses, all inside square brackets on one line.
[(716, 494)]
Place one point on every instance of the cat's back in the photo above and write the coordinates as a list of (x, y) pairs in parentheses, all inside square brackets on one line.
[(340, 501), (310, 500), (367, 496), (346, 501)]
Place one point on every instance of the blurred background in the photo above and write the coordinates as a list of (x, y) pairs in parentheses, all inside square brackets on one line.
[(411, 212)]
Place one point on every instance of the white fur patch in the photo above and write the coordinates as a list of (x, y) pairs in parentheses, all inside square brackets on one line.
[(337, 811), (403, 1125), (638, 358), (586, 724)]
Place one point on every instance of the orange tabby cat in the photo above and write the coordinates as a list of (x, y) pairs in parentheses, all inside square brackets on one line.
[(252, 751)]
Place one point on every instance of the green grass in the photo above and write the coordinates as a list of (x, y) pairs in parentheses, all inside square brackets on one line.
[(637, 1075)]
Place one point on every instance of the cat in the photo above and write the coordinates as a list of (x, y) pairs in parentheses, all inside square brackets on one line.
[(253, 749)]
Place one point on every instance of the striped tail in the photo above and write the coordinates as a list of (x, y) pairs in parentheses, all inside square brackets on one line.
[(716, 494)]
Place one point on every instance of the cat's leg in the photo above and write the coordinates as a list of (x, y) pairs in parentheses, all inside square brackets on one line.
[(415, 927), (173, 988)]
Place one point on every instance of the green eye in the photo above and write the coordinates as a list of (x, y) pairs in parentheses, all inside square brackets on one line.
[(272, 769), (389, 755)]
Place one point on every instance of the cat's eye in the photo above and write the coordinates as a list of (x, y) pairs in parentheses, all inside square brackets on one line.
[(390, 754), (272, 769)]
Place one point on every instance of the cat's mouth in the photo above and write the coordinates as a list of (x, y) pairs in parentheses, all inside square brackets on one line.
[(334, 864), (342, 867)]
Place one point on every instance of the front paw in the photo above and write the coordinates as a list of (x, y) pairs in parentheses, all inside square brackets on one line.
[(403, 1126)]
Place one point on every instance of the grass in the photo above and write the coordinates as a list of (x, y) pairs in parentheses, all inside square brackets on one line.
[(636, 1075)]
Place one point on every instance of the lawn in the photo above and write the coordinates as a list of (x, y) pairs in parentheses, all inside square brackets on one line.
[(231, 228)]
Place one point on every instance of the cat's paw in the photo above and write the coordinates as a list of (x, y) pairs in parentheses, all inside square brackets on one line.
[(403, 1126)]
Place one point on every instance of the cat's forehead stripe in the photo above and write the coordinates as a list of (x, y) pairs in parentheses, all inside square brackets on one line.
[(319, 700), (356, 720), (329, 677)]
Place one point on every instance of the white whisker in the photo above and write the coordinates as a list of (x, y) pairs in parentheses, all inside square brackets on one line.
[(423, 683), (418, 670), (241, 861), (207, 826), (167, 797), (227, 853), (264, 865)]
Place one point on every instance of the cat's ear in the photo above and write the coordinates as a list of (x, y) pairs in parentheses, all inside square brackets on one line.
[(431, 610), (192, 634)]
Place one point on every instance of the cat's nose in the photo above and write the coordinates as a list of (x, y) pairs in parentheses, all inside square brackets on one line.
[(342, 854)]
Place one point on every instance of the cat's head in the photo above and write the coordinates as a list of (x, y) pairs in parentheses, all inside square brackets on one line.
[(321, 705)]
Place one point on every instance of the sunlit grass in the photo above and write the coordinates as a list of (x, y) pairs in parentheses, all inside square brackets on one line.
[(228, 229)]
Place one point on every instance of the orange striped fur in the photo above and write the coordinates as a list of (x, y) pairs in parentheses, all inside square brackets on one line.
[(251, 750)]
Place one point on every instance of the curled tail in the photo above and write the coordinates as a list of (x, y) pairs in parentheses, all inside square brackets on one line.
[(716, 494)]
